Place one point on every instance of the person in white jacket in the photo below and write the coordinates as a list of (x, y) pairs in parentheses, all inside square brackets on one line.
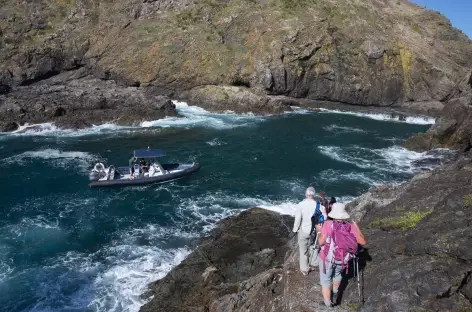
[(302, 225)]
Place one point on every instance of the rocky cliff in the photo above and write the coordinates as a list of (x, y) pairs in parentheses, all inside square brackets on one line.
[(237, 54), (418, 256)]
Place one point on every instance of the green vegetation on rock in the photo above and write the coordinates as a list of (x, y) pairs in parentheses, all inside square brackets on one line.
[(468, 200), (406, 221)]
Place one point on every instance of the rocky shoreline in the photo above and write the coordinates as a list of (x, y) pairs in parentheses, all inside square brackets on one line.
[(417, 257), (76, 99)]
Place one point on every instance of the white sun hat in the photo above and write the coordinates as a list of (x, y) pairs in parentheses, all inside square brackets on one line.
[(338, 212)]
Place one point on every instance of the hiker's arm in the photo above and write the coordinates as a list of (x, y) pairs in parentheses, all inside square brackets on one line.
[(321, 239), (359, 237), (298, 220)]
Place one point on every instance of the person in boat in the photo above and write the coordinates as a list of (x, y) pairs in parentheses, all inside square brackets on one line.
[(131, 163), (144, 165)]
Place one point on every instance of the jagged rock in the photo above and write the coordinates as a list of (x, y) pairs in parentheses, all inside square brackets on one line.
[(230, 266), (78, 103), (237, 99), (11, 126), (373, 50), (421, 263)]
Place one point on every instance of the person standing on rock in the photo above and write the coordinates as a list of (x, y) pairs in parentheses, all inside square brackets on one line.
[(339, 240), (302, 225)]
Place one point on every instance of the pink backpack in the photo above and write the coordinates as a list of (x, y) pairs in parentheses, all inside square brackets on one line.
[(342, 244)]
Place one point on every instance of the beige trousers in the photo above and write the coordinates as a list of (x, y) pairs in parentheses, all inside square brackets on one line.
[(303, 243)]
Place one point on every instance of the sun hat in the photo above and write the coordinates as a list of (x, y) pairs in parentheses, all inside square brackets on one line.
[(338, 212)]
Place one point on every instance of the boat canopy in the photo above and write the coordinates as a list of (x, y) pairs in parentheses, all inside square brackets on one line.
[(149, 153)]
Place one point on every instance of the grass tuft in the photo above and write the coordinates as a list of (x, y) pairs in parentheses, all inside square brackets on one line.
[(468, 200), (407, 221)]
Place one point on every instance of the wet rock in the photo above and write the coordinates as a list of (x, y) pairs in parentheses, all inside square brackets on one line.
[(11, 126), (73, 102)]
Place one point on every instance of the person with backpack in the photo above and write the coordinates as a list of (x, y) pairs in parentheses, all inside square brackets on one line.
[(330, 206), (339, 240), (303, 225), (318, 218)]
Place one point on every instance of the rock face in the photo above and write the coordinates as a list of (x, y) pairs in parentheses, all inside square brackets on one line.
[(374, 52), (452, 130), (73, 101), (237, 99), (418, 237)]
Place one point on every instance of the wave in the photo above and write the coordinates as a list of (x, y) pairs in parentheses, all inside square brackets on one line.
[(58, 158), (130, 270), (215, 142), (116, 283), (417, 120), (334, 176), (391, 159), (194, 116), (340, 129)]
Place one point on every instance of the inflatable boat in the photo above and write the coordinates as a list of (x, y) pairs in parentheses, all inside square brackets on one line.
[(143, 169)]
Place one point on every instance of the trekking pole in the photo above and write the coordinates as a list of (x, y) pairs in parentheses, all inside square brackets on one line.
[(311, 250), (358, 279)]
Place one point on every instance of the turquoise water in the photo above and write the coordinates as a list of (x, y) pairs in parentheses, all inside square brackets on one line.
[(65, 247)]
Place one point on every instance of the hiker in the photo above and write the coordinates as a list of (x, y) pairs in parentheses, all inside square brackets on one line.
[(330, 206), (131, 167), (303, 225), (319, 216), (339, 240), (323, 200)]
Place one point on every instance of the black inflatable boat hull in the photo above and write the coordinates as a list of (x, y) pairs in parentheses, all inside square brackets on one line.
[(146, 180)]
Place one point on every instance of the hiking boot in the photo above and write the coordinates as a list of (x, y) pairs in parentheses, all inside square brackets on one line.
[(334, 298), (328, 305)]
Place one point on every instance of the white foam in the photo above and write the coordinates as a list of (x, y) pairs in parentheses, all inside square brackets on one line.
[(195, 116), (418, 120), (49, 129), (112, 278), (351, 155), (391, 159), (340, 129), (215, 142), (120, 287), (298, 110), (333, 176), (35, 128), (57, 158), (284, 208)]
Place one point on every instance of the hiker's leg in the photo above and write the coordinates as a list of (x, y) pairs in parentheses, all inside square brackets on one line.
[(326, 272), (303, 243), (337, 277)]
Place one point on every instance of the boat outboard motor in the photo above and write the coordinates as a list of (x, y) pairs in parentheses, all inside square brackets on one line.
[(97, 172)]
